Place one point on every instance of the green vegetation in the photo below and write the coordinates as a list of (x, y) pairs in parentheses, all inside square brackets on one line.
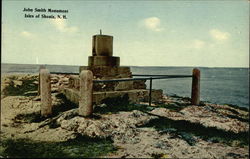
[(27, 86), (187, 130), (82, 146)]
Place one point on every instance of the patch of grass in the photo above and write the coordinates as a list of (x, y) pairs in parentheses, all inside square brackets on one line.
[(82, 146), (186, 130), (20, 90)]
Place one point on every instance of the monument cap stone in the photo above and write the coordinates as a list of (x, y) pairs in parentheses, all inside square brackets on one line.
[(102, 45)]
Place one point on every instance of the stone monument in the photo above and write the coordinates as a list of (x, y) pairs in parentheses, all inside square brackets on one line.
[(102, 62), (105, 66)]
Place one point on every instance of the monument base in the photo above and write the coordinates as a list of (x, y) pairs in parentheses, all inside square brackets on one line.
[(134, 96), (108, 72), (74, 82)]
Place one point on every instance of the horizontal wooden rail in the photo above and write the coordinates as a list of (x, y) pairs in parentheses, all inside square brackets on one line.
[(161, 75), (135, 79)]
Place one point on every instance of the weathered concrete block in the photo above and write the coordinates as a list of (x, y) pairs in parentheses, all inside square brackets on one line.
[(102, 45), (86, 93), (45, 88)]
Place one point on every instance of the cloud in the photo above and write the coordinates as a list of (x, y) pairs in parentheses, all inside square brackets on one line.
[(26, 34), (153, 23), (219, 35), (61, 25), (197, 44)]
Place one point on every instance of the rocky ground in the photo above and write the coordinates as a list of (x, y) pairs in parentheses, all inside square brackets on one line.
[(172, 128)]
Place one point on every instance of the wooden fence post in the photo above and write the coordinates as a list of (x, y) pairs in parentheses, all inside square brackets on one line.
[(86, 93), (195, 96), (45, 89)]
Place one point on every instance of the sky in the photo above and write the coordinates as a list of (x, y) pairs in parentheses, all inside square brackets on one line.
[(212, 33)]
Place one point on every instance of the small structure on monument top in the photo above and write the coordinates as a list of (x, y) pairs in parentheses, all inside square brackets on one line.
[(105, 66)]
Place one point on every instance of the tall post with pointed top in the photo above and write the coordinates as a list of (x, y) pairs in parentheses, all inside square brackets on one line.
[(195, 96), (86, 93)]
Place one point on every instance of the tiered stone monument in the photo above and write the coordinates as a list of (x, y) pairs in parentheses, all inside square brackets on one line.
[(102, 62), (106, 66)]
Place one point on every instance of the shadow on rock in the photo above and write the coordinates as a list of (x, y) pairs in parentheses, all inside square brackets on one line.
[(23, 87), (116, 104), (187, 130), (36, 117)]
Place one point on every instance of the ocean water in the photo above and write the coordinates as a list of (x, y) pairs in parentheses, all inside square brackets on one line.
[(218, 85)]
